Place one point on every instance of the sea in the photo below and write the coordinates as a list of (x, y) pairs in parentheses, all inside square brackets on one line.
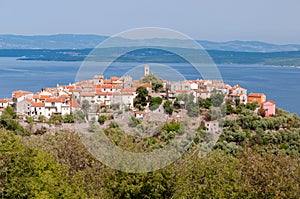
[(280, 84)]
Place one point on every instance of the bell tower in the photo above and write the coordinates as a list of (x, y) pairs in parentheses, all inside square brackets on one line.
[(146, 70)]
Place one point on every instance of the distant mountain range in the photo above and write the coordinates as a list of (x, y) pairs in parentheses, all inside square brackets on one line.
[(74, 41)]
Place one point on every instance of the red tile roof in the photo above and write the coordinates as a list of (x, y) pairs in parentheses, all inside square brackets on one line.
[(270, 101), (55, 100), (103, 93), (34, 104), (87, 94), (28, 100), (20, 93), (74, 104), (142, 85), (128, 90), (3, 101), (256, 94), (114, 78), (107, 81), (139, 112)]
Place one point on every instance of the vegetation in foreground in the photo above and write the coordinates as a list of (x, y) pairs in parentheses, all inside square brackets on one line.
[(255, 157)]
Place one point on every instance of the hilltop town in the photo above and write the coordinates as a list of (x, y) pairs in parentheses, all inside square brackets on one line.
[(99, 96)]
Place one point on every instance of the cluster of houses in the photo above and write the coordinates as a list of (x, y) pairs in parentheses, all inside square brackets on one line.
[(103, 92)]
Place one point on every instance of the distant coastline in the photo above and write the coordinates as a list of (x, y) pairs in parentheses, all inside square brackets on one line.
[(152, 55)]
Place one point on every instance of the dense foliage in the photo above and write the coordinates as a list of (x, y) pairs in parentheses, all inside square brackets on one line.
[(155, 102), (157, 83), (141, 99), (255, 157)]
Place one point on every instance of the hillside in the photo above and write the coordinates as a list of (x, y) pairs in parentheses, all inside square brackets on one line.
[(150, 55), (73, 41), (255, 157)]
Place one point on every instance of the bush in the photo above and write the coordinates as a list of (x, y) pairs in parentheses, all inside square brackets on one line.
[(134, 122), (168, 108), (155, 103), (40, 131), (29, 119), (42, 118), (69, 118), (113, 124), (261, 112), (56, 119), (217, 99), (102, 119), (79, 116), (193, 109)]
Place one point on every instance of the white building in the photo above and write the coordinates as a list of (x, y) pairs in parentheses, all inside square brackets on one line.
[(57, 106), (212, 126), (37, 109), (3, 103), (19, 102), (238, 93)]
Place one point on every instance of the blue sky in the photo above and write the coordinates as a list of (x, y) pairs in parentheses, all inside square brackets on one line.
[(274, 21)]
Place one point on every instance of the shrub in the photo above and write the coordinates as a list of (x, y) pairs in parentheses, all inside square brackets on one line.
[(69, 118), (56, 119), (102, 119), (155, 103), (134, 122), (168, 108), (40, 131), (113, 124)]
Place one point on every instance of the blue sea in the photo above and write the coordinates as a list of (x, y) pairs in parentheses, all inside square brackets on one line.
[(280, 84)]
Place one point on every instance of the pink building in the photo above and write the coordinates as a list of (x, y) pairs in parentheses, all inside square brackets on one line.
[(269, 107)]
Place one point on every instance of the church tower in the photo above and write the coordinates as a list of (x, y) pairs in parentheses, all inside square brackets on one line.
[(146, 70)]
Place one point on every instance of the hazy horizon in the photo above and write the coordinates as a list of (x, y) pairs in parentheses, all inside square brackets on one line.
[(267, 21), (91, 34)]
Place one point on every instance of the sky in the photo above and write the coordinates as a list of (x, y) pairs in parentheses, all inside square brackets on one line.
[(272, 21)]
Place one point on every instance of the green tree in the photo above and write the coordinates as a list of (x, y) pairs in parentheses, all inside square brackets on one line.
[(237, 102), (42, 118), (8, 121), (29, 173), (193, 109), (141, 98), (79, 116), (69, 118), (217, 99), (41, 131), (9, 113), (134, 122), (168, 108), (155, 103), (85, 106), (261, 112), (186, 98), (207, 103), (56, 119), (29, 119), (229, 109), (102, 119), (157, 83)]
